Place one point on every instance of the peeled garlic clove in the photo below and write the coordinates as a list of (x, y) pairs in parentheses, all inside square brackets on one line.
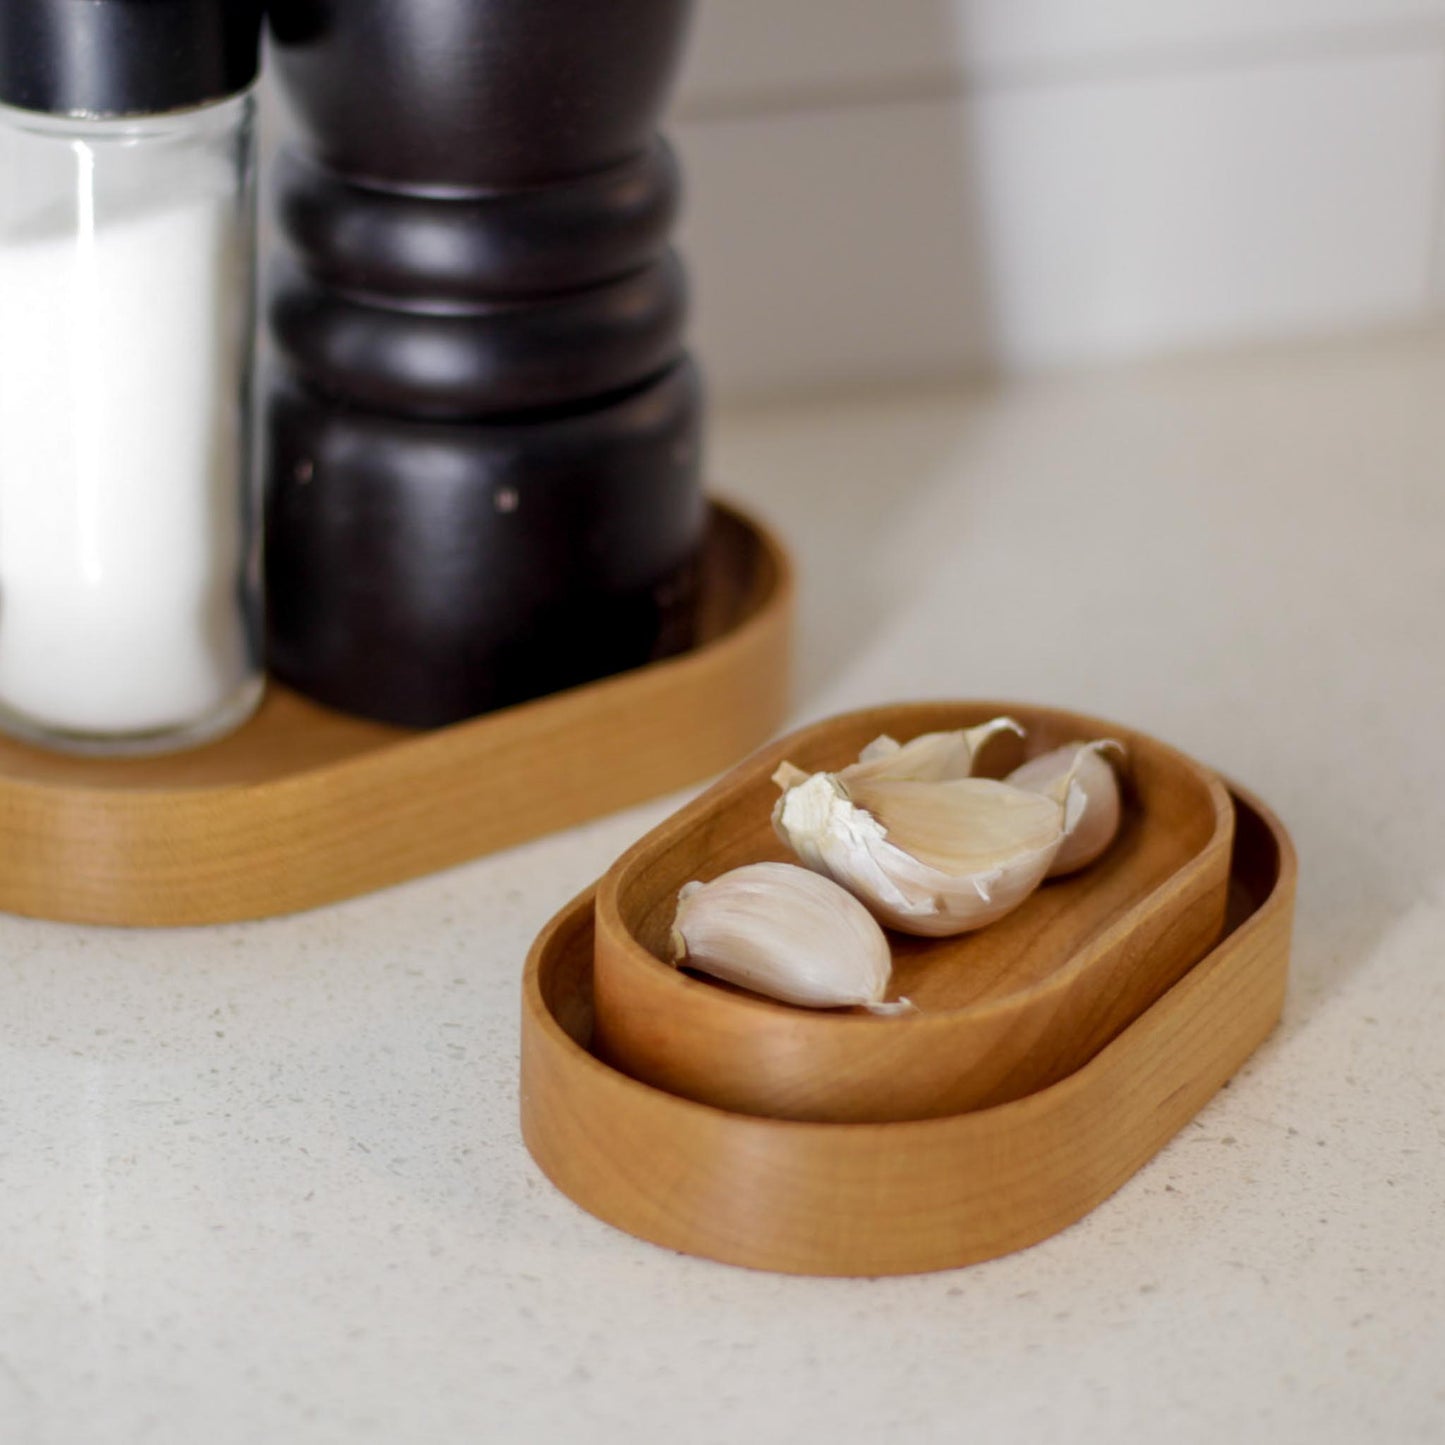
[(1082, 778), (780, 930), (928, 758), (931, 858)]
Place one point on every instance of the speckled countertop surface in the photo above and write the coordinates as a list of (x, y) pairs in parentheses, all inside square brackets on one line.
[(265, 1182)]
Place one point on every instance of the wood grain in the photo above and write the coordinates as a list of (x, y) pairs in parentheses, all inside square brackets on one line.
[(1002, 1012), (897, 1198), (304, 806)]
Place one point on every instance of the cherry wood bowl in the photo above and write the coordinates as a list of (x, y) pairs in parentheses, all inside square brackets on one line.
[(903, 1197), (1001, 1012)]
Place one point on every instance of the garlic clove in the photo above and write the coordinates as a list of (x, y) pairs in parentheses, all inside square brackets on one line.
[(788, 933), (928, 758), (930, 858), (1082, 777)]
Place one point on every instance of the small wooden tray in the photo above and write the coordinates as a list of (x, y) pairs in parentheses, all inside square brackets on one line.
[(1002, 1012), (900, 1198), (304, 806)]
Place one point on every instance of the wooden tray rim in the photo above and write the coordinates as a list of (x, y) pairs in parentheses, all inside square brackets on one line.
[(601, 1082)]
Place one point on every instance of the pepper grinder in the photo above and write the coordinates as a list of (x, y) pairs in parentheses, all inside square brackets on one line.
[(483, 449)]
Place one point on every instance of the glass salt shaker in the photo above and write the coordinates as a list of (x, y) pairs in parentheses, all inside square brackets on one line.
[(129, 581)]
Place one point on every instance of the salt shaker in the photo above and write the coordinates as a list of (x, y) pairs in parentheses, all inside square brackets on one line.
[(129, 582)]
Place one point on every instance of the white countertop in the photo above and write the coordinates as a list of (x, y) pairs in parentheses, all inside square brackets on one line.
[(265, 1182)]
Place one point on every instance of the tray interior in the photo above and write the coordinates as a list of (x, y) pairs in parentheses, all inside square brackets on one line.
[(566, 980), (1170, 816)]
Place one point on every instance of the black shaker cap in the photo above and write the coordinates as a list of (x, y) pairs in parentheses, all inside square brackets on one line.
[(125, 57)]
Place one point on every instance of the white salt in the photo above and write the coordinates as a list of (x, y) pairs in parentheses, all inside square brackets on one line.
[(121, 457)]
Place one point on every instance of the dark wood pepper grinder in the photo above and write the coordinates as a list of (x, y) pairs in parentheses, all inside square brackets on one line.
[(483, 447)]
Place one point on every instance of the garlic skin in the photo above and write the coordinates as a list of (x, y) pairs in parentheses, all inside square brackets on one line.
[(1093, 806), (928, 858), (782, 931), (928, 758)]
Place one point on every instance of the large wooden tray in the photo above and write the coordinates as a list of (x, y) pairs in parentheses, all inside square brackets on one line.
[(304, 806), (1000, 1013), (896, 1198)]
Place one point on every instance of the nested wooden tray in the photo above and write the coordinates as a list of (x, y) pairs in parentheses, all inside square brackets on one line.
[(1002, 1012), (304, 806), (903, 1197)]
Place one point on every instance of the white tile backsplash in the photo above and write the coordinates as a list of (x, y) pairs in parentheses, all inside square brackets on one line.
[(751, 53), (776, 53), (1278, 199), (831, 245), (927, 185), (1042, 227), (993, 35)]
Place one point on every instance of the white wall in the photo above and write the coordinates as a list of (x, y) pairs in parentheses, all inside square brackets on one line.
[(883, 188)]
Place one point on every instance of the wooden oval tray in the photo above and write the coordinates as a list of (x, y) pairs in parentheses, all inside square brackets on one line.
[(304, 806), (899, 1198), (1002, 1012)]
